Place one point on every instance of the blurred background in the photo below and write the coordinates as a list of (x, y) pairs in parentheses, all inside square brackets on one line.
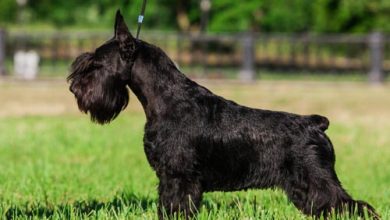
[(329, 57), (207, 39)]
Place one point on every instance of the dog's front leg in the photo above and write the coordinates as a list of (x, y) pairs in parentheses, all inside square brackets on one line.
[(179, 195)]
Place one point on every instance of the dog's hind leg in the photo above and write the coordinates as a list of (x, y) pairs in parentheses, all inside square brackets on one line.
[(312, 185), (178, 195), (323, 196)]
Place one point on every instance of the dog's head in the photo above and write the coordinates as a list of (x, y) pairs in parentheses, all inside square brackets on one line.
[(99, 79)]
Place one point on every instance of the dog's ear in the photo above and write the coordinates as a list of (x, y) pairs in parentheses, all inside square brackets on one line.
[(123, 36), (121, 30)]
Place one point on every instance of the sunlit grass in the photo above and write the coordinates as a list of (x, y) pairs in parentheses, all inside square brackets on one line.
[(61, 166)]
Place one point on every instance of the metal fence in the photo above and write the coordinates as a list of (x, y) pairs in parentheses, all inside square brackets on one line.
[(212, 55)]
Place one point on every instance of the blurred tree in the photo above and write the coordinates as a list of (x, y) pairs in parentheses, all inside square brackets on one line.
[(58, 12), (286, 16), (263, 15), (351, 16), (8, 10), (184, 14), (229, 15), (225, 15)]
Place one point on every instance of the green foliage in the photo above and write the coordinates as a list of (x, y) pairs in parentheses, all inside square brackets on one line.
[(351, 16), (7, 11), (252, 15), (235, 15), (263, 15), (287, 16)]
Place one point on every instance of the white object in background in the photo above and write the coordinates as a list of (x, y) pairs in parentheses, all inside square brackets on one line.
[(26, 64)]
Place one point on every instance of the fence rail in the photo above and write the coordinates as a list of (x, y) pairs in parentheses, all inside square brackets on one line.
[(245, 53)]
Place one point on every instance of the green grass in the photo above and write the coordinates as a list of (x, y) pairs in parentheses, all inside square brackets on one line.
[(64, 167)]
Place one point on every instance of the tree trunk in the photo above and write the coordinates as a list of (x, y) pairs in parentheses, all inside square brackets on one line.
[(182, 16)]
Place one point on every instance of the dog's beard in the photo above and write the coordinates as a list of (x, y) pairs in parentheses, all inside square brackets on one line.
[(103, 95)]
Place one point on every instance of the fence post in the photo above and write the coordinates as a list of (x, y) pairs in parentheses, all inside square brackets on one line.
[(2, 52), (375, 41), (179, 39), (306, 52), (247, 72)]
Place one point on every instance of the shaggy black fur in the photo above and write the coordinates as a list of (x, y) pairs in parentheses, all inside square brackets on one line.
[(199, 142)]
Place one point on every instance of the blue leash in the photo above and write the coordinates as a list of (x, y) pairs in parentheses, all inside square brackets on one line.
[(141, 18)]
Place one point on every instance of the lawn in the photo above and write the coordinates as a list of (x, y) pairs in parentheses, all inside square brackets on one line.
[(55, 164)]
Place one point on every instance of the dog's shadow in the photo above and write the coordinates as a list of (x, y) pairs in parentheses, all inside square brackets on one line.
[(121, 202)]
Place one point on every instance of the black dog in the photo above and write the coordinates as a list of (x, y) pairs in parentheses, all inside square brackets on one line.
[(199, 142)]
